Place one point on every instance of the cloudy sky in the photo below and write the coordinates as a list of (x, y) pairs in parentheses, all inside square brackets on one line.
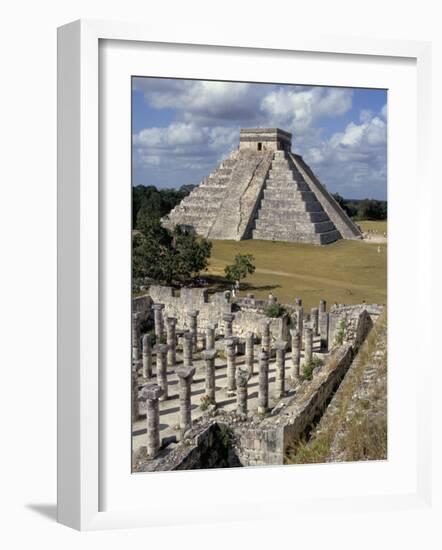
[(183, 128)]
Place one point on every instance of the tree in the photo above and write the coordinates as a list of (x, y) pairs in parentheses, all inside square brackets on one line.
[(166, 257), (149, 201), (241, 267), (192, 254)]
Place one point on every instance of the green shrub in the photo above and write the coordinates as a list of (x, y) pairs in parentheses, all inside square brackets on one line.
[(206, 402), (274, 310), (339, 338), (308, 368)]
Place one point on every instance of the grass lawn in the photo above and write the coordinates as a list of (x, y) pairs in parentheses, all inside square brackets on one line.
[(379, 227), (346, 272)]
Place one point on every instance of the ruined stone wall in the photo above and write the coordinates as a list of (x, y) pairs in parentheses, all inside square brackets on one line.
[(350, 315), (249, 320), (211, 309)]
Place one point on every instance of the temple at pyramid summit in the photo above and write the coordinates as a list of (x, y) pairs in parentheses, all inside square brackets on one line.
[(263, 190)]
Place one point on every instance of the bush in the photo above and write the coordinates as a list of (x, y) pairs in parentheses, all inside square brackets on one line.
[(274, 310), (339, 338), (308, 368), (206, 402)]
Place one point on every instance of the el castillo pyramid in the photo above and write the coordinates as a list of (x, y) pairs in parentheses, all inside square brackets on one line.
[(263, 191)]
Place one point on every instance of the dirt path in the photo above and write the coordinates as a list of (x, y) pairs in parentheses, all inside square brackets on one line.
[(374, 239)]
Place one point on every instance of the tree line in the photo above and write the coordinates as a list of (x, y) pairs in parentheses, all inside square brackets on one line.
[(148, 201), (363, 209)]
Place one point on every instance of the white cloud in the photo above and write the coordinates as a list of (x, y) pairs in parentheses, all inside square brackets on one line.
[(299, 108), (208, 116), (203, 100), (354, 162)]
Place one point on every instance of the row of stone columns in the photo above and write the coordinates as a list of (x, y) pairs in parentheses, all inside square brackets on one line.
[(237, 379), (319, 320), (318, 316)]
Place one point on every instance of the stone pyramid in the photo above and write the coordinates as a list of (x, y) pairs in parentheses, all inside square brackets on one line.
[(263, 191)]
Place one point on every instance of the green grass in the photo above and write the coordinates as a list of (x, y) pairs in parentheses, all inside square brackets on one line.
[(346, 272), (379, 227)]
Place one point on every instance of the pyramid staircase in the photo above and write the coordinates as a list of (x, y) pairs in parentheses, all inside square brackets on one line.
[(289, 210)]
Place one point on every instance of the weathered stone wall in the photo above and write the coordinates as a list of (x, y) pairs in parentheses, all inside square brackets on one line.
[(350, 315), (211, 309), (248, 320)]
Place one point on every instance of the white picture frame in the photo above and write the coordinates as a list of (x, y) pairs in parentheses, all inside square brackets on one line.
[(80, 445)]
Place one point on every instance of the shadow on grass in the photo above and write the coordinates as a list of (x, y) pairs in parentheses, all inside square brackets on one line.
[(216, 283)]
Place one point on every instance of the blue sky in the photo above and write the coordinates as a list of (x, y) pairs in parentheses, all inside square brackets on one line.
[(182, 129)]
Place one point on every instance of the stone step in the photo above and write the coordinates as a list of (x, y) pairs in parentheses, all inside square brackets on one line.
[(283, 204), (198, 203), (213, 190), (330, 236), (289, 236), (286, 185), (289, 193), (306, 227), (292, 216), (282, 172)]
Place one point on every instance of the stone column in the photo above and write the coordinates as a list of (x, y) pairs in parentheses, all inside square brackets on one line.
[(323, 324), (210, 337), (161, 350), (323, 329), (281, 347), (193, 326), (187, 349), (151, 394), (134, 398), (136, 337), (171, 341), (231, 364), (209, 356), (314, 316), (228, 320), (250, 341), (263, 381), (158, 317), (296, 353), (266, 338), (185, 376), (242, 379), (308, 345), (147, 356), (299, 320)]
